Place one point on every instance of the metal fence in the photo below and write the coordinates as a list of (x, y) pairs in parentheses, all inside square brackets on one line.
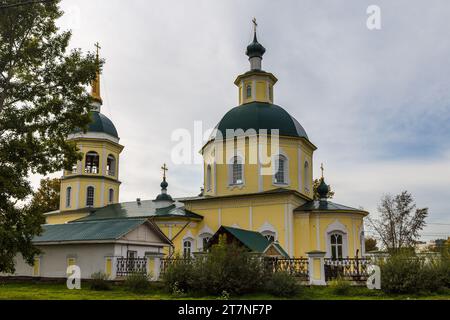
[(354, 269), (127, 266), (298, 267)]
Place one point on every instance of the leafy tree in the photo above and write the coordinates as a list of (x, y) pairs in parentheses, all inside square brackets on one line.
[(400, 222), (316, 184), (43, 98), (370, 244), (46, 198)]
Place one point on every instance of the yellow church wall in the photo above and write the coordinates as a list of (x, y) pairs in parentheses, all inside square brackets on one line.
[(254, 182), (261, 90), (315, 236), (64, 218)]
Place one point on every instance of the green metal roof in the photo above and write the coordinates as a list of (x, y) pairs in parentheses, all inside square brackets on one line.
[(322, 205), (260, 115), (146, 208), (89, 230), (101, 123), (253, 240)]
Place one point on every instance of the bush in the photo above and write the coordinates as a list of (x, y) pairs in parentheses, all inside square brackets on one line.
[(226, 268), (179, 276), (137, 283), (406, 273), (99, 282), (282, 284), (340, 287)]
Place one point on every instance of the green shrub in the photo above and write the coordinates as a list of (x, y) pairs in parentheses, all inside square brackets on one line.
[(226, 268), (340, 287), (407, 273), (99, 282), (230, 268), (282, 284), (179, 276), (137, 282)]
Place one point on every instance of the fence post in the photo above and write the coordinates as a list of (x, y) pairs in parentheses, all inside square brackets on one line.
[(316, 268), (154, 265)]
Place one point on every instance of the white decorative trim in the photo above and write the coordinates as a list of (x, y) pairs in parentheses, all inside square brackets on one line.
[(299, 165), (291, 230), (203, 233), (220, 216), (318, 232), (93, 135), (232, 186), (268, 227), (336, 227), (77, 195), (286, 227), (260, 177), (286, 169), (250, 217)]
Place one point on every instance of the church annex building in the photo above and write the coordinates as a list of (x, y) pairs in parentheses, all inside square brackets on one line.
[(274, 215)]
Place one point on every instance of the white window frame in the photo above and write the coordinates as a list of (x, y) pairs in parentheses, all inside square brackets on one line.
[(68, 196), (110, 198), (336, 227), (230, 170), (286, 179), (87, 196), (208, 177)]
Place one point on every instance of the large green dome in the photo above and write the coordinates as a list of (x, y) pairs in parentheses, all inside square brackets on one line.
[(101, 123), (260, 115)]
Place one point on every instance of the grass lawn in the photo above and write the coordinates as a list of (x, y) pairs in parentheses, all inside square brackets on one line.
[(46, 291)]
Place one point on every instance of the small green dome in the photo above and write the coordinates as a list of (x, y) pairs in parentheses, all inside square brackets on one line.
[(100, 123), (323, 189), (261, 115), (255, 49)]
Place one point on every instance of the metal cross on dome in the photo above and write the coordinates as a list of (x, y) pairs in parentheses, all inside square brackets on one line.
[(321, 168), (97, 45), (164, 169), (254, 25)]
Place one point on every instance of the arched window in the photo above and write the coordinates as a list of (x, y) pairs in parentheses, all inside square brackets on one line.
[(208, 178), (249, 91), (111, 165), (269, 235), (92, 162), (111, 195), (187, 248), (306, 176), (336, 246), (90, 196), (236, 174), (281, 170), (68, 196), (205, 239)]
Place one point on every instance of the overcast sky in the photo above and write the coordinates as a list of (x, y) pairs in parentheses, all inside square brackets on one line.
[(375, 103)]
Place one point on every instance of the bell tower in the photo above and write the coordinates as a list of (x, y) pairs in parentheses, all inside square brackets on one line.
[(255, 85), (94, 180)]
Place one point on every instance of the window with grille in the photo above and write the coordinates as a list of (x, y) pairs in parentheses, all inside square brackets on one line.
[(336, 246), (280, 175), (90, 196), (111, 196), (236, 171), (249, 91), (68, 196), (187, 248)]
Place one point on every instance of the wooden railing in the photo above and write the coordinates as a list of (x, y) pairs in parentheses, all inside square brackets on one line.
[(354, 269)]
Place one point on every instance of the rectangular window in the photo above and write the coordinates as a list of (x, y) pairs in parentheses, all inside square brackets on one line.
[(90, 196), (131, 254)]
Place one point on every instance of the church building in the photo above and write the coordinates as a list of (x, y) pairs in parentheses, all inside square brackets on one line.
[(276, 210)]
